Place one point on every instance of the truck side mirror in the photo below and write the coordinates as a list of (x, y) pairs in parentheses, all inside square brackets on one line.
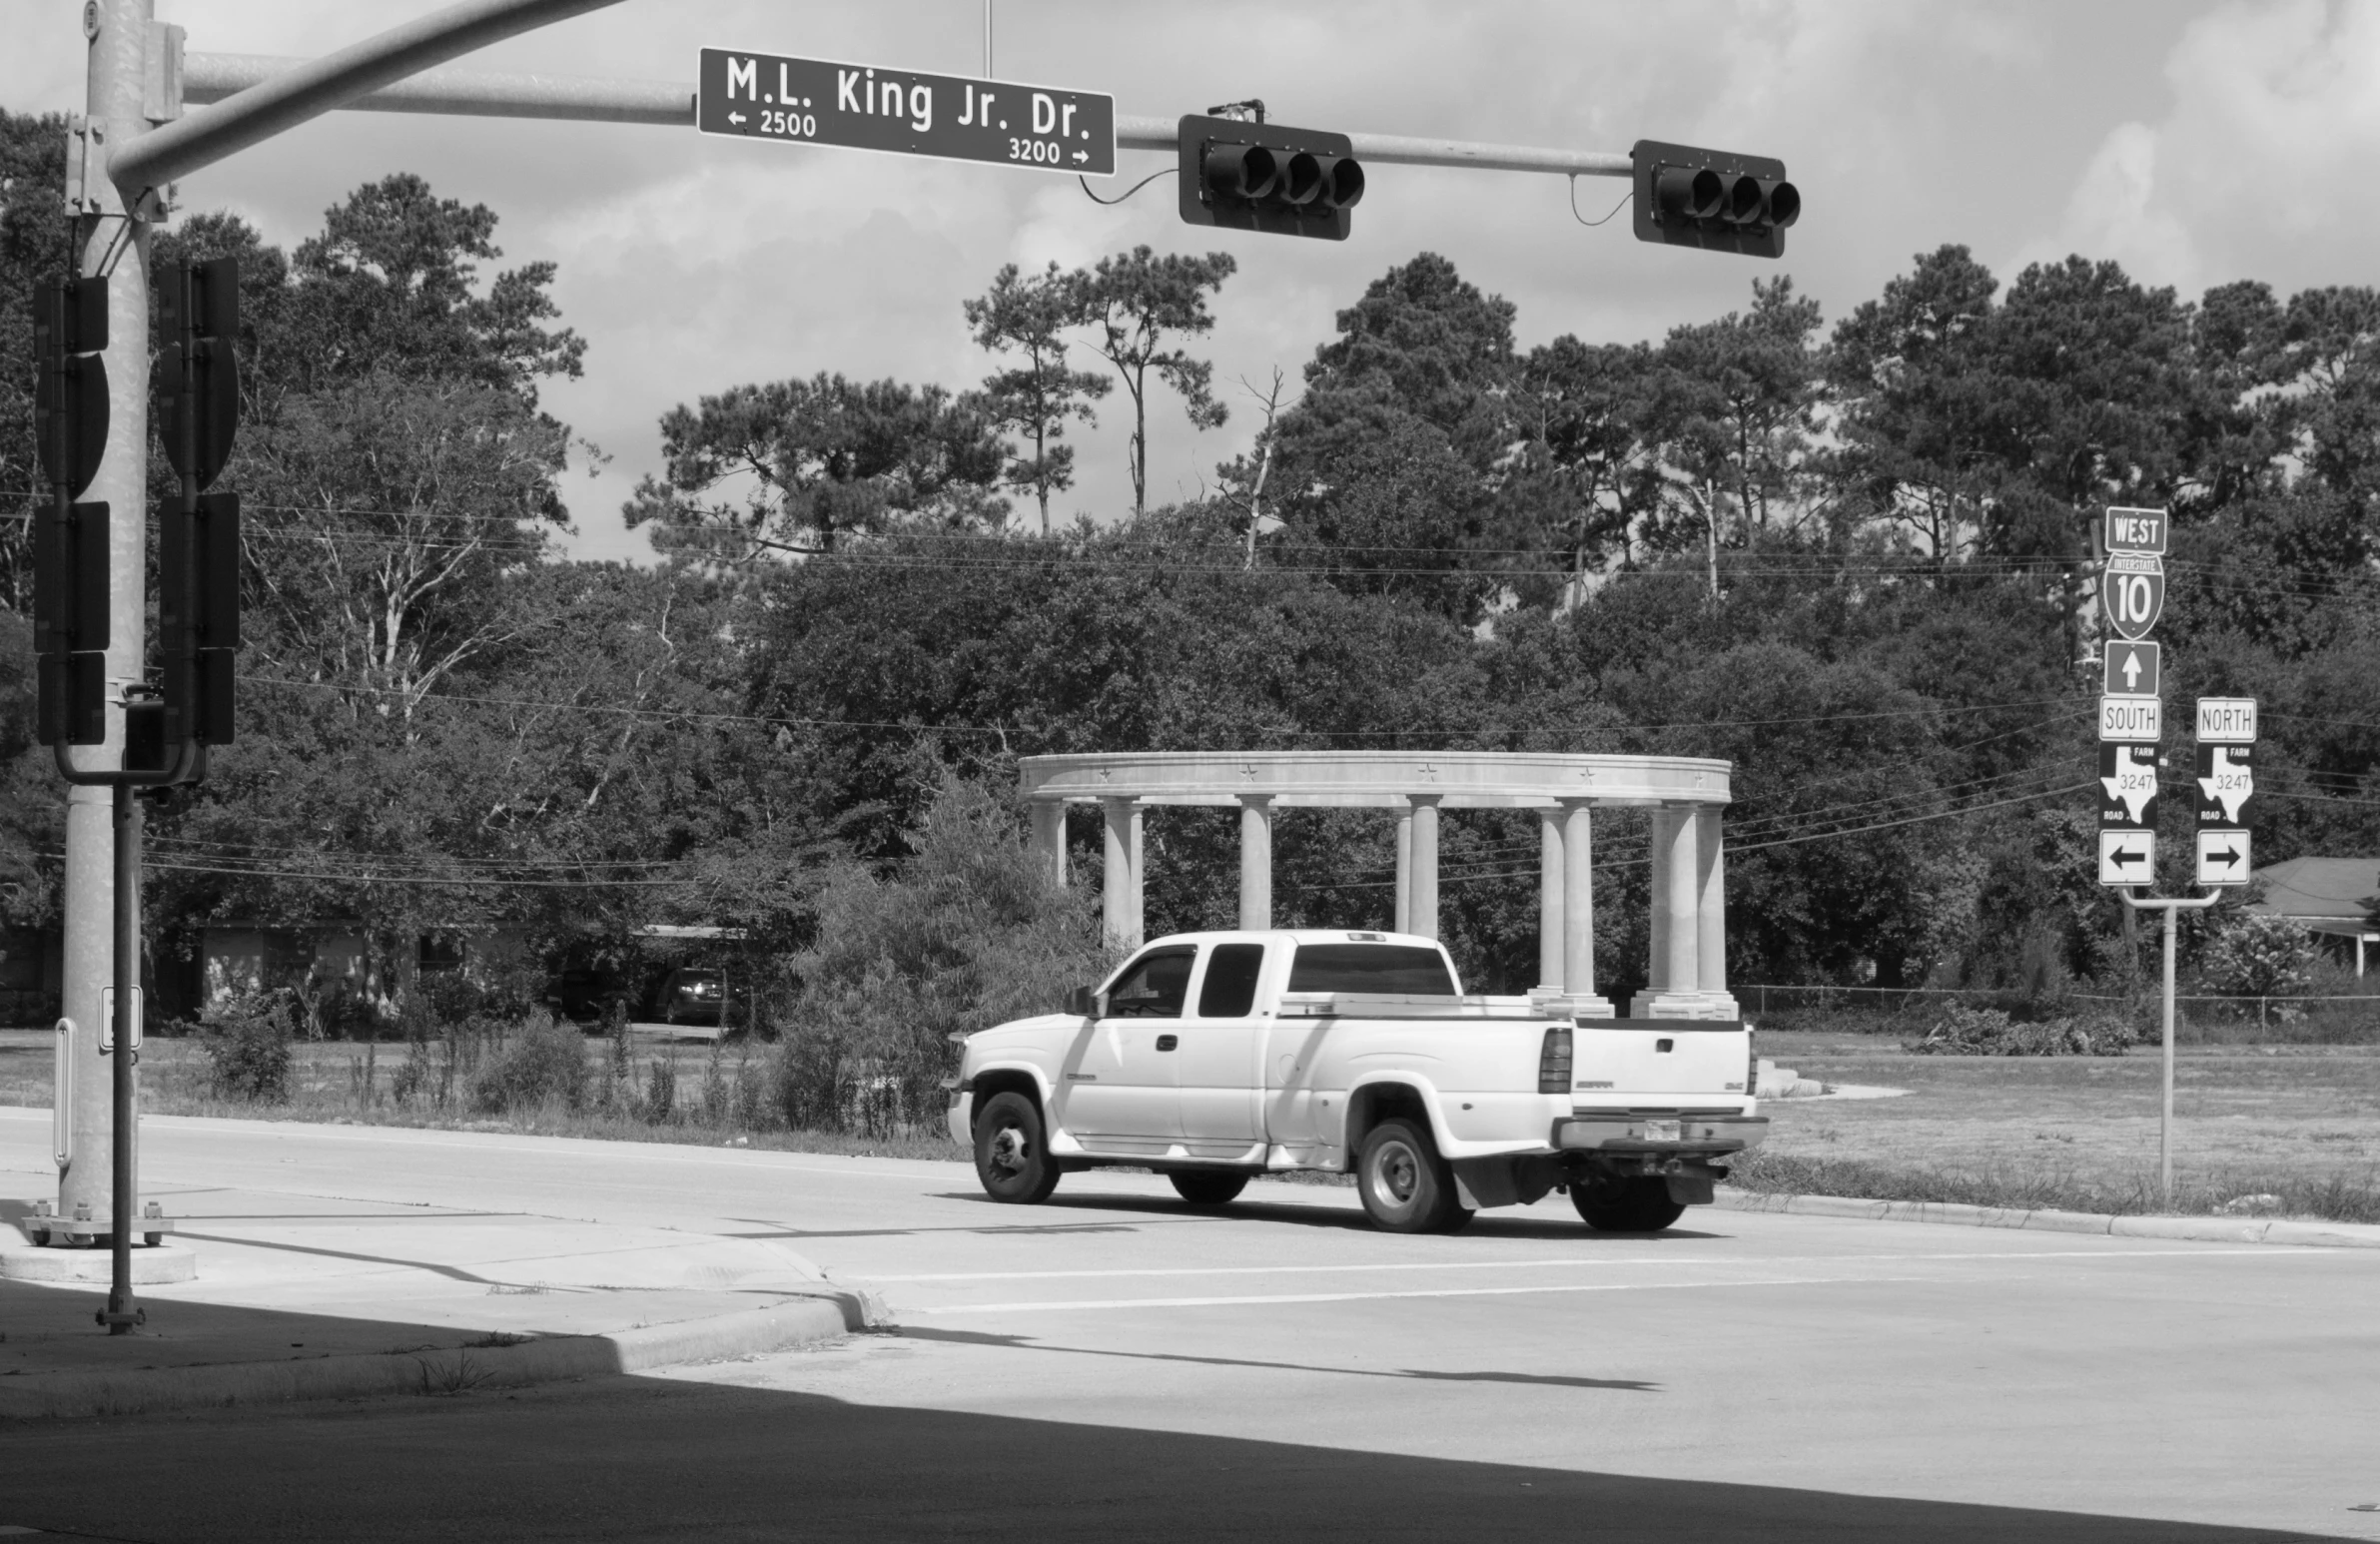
[(1083, 1002)]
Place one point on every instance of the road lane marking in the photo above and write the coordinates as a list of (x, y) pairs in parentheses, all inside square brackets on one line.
[(1447, 1291), (2251, 1250)]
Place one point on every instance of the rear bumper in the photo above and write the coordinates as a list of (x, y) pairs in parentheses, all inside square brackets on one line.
[(1698, 1136)]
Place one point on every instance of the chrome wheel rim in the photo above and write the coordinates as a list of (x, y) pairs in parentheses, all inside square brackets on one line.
[(1010, 1151), (1397, 1173)]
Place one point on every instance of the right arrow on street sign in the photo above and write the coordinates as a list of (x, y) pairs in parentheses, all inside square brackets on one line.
[(2222, 857), (2126, 857), (2131, 669)]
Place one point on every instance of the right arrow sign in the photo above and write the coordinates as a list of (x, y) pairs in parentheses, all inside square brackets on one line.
[(2222, 857)]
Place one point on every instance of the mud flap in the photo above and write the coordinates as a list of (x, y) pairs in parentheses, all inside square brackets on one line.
[(1695, 1187), (1510, 1180)]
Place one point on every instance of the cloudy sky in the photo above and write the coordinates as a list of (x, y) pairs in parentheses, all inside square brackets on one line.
[(2194, 142)]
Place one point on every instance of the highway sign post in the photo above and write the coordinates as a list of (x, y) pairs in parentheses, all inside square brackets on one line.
[(2227, 788), (905, 113)]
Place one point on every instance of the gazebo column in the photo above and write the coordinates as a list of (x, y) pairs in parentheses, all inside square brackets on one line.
[(1404, 871), (1551, 940), (1711, 906), (1255, 862), (1049, 840), (1422, 903), (1578, 911), (1675, 991), (1119, 885)]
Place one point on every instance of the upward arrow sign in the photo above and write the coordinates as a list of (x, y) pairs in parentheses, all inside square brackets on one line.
[(2131, 668)]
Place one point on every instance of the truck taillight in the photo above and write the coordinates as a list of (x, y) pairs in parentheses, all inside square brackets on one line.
[(1750, 1062), (1553, 1062)]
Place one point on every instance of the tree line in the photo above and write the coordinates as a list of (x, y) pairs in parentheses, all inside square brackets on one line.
[(1853, 560)]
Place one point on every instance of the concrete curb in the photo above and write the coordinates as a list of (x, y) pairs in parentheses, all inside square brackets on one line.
[(452, 1370), (2337, 1236)]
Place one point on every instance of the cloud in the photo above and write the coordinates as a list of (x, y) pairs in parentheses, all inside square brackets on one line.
[(2258, 168)]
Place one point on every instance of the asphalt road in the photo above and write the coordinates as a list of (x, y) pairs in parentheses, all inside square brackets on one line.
[(1114, 1365)]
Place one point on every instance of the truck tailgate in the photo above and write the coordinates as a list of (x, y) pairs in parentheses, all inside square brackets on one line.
[(1657, 1061)]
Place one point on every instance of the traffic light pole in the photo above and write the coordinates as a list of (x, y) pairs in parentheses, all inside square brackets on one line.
[(97, 1179), (2170, 906)]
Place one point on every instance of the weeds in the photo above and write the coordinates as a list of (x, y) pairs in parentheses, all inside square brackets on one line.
[(2330, 1197)]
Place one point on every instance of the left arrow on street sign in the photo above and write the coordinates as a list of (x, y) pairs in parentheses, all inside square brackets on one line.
[(2223, 857), (904, 113), (2128, 857)]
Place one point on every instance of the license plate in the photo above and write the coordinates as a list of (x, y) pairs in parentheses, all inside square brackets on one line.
[(1662, 1131)]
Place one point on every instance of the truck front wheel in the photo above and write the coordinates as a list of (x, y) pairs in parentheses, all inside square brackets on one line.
[(1640, 1205), (1406, 1188), (1012, 1157)]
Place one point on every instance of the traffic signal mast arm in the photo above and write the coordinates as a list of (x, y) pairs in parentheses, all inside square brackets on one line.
[(221, 78)]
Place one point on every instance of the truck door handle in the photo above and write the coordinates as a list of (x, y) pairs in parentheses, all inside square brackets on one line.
[(1168, 1041)]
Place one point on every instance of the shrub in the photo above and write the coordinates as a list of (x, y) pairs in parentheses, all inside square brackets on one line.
[(967, 933), (2259, 956), (1961, 1031), (248, 1044), (540, 1062)]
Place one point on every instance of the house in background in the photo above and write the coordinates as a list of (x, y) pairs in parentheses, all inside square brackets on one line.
[(2329, 896), (236, 956)]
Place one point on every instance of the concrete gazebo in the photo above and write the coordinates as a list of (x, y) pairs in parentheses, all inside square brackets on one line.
[(1688, 972)]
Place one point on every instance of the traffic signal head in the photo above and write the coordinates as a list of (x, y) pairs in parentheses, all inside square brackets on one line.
[(198, 367), (70, 384), (1263, 177), (1713, 199)]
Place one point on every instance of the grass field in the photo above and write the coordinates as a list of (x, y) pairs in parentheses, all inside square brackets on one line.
[(2298, 1123)]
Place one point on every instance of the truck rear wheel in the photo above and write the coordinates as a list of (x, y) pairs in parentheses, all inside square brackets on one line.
[(1635, 1205), (1405, 1186), (1012, 1156), (1207, 1187)]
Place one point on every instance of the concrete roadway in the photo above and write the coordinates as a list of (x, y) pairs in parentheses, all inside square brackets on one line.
[(1114, 1365)]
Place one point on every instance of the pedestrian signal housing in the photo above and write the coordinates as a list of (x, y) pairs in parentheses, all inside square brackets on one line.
[(1247, 176), (1717, 200)]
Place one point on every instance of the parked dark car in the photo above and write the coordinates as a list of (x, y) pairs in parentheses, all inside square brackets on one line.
[(691, 994)]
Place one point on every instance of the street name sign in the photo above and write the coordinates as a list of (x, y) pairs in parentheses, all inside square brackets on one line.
[(2130, 718), (2130, 668), (2226, 779), (2134, 531), (2128, 857), (2226, 720), (2133, 593), (2127, 787), (904, 113), (2223, 857)]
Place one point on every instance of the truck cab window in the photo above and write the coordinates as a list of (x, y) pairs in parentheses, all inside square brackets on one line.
[(1152, 987), (1229, 989), (1400, 969)]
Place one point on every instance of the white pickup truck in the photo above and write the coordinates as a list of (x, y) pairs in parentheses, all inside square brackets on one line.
[(1215, 1057)]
